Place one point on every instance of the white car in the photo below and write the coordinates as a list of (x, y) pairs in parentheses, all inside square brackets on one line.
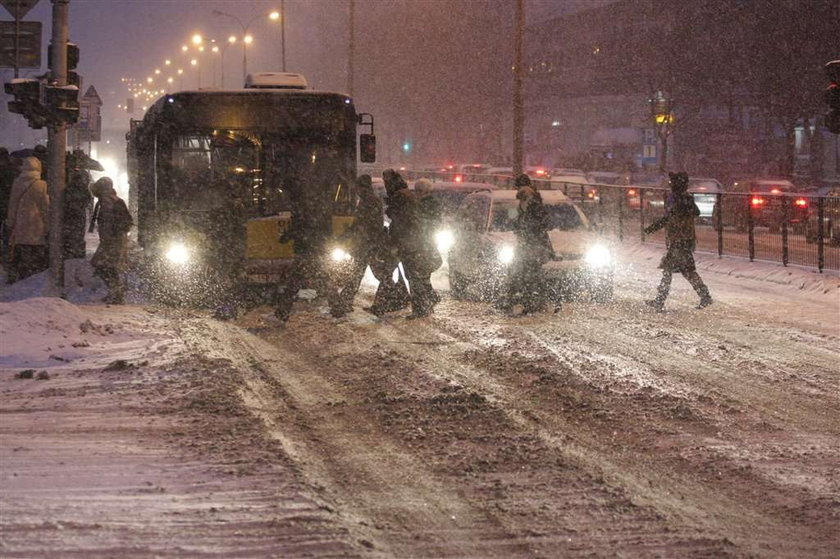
[(484, 247)]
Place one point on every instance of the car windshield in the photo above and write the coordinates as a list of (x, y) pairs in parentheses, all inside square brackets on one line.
[(563, 217)]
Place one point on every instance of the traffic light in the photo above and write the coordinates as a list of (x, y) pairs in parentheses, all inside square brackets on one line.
[(63, 102), (72, 62), (28, 95)]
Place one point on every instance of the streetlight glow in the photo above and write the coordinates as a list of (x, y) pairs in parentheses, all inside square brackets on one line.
[(215, 48), (149, 79), (180, 71), (169, 80), (201, 48), (193, 62), (157, 70), (274, 16), (167, 62), (197, 39), (232, 39), (185, 48), (248, 39)]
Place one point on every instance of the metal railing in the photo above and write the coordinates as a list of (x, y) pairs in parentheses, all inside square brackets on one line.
[(790, 228)]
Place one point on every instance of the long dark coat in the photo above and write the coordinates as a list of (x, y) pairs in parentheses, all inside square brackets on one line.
[(680, 238)]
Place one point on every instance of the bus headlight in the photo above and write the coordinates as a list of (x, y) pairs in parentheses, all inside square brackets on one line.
[(444, 239), (598, 256), (506, 254), (177, 253), (339, 255)]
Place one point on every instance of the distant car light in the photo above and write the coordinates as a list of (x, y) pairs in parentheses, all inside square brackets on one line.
[(177, 253), (598, 256), (801, 202), (631, 192), (444, 239), (506, 254), (757, 201), (338, 255)]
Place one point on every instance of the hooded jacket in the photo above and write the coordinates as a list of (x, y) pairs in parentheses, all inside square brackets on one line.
[(29, 206)]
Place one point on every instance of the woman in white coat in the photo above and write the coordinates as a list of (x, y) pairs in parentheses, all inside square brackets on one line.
[(27, 220)]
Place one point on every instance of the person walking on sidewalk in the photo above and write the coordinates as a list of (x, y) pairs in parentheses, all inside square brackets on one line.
[(680, 240)]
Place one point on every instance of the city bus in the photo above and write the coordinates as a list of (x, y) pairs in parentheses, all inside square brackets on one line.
[(215, 178)]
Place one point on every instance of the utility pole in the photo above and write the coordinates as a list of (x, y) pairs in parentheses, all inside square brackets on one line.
[(283, 33), (57, 147), (518, 109), (351, 47)]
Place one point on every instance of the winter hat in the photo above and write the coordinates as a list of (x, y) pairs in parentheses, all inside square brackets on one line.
[(522, 180), (679, 181), (422, 185), (102, 187)]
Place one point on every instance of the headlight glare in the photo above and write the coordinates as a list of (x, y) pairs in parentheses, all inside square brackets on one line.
[(177, 253), (444, 239), (598, 256), (506, 254), (338, 255)]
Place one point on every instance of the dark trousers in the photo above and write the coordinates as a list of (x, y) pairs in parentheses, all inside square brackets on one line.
[(525, 286), (419, 276), (113, 281), (27, 260), (691, 276), (308, 269)]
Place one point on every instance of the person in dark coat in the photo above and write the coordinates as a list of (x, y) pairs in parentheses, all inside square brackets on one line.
[(7, 177), (680, 240), (113, 220), (427, 257), (367, 238), (392, 294), (76, 201), (533, 249), (309, 230)]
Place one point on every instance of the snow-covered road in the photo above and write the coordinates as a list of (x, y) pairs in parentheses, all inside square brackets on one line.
[(598, 430)]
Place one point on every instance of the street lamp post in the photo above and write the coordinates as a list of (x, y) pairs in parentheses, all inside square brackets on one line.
[(247, 39)]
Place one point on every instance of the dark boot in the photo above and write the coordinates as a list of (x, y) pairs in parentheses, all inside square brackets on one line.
[(662, 291), (701, 289)]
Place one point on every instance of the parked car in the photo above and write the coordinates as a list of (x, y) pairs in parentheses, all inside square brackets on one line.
[(484, 247), (766, 202), (830, 200), (705, 193), (573, 183)]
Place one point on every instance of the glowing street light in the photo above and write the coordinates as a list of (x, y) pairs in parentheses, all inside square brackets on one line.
[(193, 62), (167, 62), (185, 48), (246, 38), (157, 71), (197, 39)]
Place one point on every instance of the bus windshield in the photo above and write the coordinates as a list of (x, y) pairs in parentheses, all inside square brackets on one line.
[(263, 171)]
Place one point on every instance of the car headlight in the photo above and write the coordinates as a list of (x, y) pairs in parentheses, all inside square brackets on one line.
[(177, 253), (339, 255), (444, 239), (506, 254), (598, 256)]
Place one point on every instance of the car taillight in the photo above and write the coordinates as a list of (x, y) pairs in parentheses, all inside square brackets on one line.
[(631, 192), (800, 203), (459, 178), (757, 201)]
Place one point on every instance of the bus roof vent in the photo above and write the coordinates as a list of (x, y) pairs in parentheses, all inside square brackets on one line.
[(275, 80)]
